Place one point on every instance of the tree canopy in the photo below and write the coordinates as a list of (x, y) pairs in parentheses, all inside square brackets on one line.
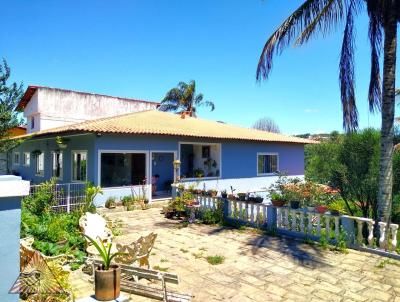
[(266, 124), (10, 95)]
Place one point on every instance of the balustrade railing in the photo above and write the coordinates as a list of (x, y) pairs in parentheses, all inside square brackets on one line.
[(358, 232)]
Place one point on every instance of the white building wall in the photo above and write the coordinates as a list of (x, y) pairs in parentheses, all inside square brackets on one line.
[(54, 108)]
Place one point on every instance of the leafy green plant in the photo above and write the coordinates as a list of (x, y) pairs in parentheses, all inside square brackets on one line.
[(110, 202), (91, 192), (337, 206), (215, 260), (126, 200), (105, 252)]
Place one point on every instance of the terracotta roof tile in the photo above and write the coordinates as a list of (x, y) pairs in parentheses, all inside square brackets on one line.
[(155, 122)]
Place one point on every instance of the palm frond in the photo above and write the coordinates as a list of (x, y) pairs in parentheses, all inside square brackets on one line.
[(397, 91), (311, 15), (333, 12), (198, 99), (207, 104), (375, 37), (346, 75)]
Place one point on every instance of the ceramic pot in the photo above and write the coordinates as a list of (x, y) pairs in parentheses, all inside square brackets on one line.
[(321, 209), (107, 283)]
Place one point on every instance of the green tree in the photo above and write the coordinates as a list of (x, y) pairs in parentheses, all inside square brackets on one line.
[(322, 158), (323, 16), (183, 98), (356, 174), (10, 95)]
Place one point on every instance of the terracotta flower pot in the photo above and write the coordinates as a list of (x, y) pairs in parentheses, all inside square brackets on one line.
[(107, 283), (278, 203), (321, 209)]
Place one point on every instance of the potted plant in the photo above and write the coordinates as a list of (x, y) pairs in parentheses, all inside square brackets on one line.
[(242, 196), (336, 208), (212, 192), (110, 203), (107, 277), (277, 200), (224, 194), (295, 204), (320, 206), (61, 142), (258, 199), (231, 197)]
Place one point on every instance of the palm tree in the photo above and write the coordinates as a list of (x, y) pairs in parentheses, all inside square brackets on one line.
[(323, 16), (183, 98)]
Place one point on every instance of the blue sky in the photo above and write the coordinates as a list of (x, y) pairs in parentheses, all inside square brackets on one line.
[(141, 49)]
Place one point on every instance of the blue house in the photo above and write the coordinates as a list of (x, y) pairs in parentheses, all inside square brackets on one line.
[(121, 151)]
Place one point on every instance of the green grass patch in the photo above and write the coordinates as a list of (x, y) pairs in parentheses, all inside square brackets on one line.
[(160, 268), (215, 260)]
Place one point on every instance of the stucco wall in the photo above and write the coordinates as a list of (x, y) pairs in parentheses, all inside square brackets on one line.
[(11, 191), (81, 142), (238, 162), (59, 107)]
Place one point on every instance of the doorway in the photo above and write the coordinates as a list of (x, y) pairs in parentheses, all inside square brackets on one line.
[(162, 173)]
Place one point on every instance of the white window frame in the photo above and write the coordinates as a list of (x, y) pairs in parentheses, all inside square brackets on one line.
[(62, 164), (72, 165), (206, 177), (26, 155), (37, 173), (277, 163), (15, 163)]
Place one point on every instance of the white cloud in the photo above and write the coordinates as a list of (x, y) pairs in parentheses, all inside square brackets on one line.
[(311, 110)]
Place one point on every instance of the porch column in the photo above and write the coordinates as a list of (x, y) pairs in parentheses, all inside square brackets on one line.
[(12, 188)]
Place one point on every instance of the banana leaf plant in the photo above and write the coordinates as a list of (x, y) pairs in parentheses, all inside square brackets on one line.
[(104, 251)]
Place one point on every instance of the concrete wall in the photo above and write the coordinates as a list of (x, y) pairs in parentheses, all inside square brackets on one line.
[(55, 107)]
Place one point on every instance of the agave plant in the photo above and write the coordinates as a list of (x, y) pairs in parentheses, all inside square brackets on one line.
[(104, 251)]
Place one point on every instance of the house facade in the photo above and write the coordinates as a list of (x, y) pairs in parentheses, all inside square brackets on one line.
[(145, 147)]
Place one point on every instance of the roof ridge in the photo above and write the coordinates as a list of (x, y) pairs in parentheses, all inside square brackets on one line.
[(93, 93)]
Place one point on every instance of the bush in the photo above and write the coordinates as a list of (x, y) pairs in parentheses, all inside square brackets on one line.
[(54, 233), (110, 202)]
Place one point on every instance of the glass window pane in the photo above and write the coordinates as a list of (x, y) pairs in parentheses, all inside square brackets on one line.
[(79, 166)]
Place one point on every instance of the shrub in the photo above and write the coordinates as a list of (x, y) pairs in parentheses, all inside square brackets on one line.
[(110, 202), (126, 200), (210, 217)]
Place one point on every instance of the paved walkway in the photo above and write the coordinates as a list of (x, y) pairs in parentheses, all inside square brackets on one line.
[(257, 267)]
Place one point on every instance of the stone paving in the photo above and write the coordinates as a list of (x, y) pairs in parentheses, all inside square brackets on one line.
[(256, 267)]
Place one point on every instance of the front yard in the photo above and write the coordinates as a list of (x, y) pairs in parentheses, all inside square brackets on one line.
[(255, 266)]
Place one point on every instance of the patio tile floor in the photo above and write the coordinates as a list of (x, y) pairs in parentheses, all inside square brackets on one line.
[(256, 267)]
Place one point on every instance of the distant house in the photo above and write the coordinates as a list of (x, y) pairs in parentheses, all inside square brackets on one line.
[(117, 143), (16, 131)]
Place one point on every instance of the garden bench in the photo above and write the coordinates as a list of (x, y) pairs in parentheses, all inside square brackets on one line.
[(95, 226), (136, 251), (129, 283)]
